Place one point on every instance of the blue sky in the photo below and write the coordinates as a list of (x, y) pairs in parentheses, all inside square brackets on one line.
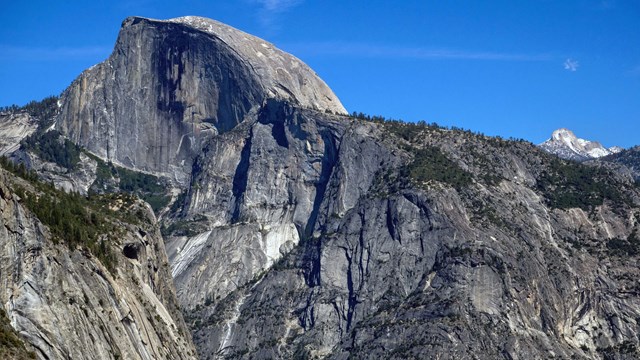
[(509, 68)]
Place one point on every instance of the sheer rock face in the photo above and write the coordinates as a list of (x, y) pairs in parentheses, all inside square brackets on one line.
[(65, 303), (168, 85), (258, 187), (13, 128), (281, 75)]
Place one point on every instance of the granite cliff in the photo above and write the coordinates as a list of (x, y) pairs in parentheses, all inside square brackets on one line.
[(168, 85), (13, 128), (114, 300)]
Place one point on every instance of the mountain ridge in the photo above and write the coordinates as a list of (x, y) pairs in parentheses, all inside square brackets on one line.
[(567, 145)]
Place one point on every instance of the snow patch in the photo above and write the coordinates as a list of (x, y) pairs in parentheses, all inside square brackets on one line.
[(565, 144)]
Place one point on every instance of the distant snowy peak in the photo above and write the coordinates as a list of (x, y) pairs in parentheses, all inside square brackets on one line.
[(565, 144)]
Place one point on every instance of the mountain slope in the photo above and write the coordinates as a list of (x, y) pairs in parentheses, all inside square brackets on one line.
[(566, 145), (72, 294), (430, 243), (630, 158)]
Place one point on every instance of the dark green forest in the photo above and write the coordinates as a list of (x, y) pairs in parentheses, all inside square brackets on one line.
[(149, 188), (40, 109), (51, 146)]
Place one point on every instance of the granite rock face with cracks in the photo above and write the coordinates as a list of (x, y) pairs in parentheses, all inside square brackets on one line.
[(398, 268), (66, 304), (169, 85), (13, 128)]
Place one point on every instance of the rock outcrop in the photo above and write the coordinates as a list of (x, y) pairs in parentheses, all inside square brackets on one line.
[(169, 85), (258, 189), (66, 304), (15, 126), (77, 180), (12, 347)]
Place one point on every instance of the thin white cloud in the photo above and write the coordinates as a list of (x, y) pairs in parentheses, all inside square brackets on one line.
[(399, 52), (278, 5), (571, 65), (269, 12), (47, 54)]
